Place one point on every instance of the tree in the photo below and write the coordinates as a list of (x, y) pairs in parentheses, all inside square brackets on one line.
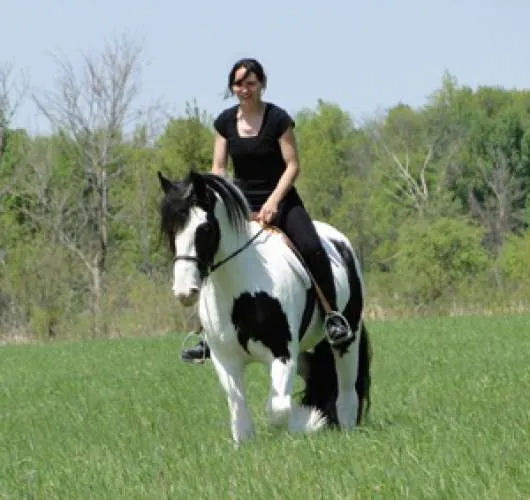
[(435, 256), (91, 114), (514, 260), (490, 174), (12, 92), (414, 157), (186, 142), (326, 139), (498, 204)]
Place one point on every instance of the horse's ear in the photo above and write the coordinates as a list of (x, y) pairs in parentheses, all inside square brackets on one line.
[(165, 183), (199, 186)]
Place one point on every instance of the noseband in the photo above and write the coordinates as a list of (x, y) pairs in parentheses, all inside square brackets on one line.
[(205, 268)]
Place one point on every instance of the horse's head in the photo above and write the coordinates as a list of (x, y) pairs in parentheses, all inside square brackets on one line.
[(189, 224)]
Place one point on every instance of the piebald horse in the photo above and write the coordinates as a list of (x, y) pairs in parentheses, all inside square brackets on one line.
[(257, 302)]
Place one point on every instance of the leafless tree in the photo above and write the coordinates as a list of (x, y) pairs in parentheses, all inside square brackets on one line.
[(408, 173), (92, 109), (497, 208), (13, 89)]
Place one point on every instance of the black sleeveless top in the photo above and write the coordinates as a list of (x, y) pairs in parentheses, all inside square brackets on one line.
[(258, 161)]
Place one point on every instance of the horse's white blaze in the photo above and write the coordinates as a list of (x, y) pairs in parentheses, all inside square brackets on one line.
[(186, 277)]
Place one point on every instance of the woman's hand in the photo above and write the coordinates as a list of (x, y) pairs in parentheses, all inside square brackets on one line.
[(268, 211)]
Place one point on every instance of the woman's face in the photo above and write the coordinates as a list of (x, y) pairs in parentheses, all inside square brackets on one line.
[(246, 88)]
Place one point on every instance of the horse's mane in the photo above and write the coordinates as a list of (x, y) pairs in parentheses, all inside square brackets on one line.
[(237, 209), (235, 203)]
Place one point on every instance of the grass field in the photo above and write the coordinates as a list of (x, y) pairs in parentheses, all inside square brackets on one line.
[(125, 419)]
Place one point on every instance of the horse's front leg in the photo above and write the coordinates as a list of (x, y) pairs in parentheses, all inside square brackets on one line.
[(279, 404), (230, 374)]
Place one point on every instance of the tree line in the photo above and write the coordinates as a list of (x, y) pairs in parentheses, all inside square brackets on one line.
[(435, 199)]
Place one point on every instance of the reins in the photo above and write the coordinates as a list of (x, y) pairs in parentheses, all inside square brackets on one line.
[(215, 266), (210, 269)]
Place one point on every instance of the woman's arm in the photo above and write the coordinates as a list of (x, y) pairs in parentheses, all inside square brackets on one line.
[(220, 155), (290, 155)]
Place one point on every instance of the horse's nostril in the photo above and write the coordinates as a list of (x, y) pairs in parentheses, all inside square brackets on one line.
[(188, 298)]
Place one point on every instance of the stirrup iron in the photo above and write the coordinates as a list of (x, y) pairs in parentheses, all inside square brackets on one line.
[(329, 318)]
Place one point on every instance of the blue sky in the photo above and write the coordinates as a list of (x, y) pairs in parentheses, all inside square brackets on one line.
[(364, 56)]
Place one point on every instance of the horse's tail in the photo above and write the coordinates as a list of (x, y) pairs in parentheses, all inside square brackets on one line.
[(320, 381), (363, 382)]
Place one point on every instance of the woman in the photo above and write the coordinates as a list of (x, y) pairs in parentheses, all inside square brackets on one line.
[(258, 136)]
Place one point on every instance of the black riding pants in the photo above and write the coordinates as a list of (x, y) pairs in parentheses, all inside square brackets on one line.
[(295, 222)]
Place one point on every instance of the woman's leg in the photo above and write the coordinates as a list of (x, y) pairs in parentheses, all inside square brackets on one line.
[(295, 222)]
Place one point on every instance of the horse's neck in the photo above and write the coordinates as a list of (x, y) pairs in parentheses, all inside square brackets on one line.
[(227, 279), (232, 240)]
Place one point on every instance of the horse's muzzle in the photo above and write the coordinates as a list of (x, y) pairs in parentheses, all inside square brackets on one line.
[(189, 298)]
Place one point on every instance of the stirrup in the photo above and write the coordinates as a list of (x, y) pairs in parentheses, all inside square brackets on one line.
[(202, 340), (335, 316)]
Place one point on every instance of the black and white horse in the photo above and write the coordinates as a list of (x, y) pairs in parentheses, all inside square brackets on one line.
[(256, 302)]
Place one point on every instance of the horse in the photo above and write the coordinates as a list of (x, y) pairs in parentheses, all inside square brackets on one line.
[(257, 303)]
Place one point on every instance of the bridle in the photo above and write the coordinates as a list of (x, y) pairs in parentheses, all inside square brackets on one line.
[(206, 268)]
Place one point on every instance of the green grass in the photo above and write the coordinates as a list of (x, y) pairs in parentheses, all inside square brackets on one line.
[(126, 419)]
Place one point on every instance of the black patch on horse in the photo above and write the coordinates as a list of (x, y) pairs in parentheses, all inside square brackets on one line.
[(260, 317), (353, 309), (310, 299), (207, 238)]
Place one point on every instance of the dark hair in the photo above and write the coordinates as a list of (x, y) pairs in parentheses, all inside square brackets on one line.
[(251, 66)]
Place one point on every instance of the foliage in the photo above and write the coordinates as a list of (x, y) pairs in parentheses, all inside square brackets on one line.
[(514, 260), (327, 140), (436, 200), (435, 256), (186, 143)]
